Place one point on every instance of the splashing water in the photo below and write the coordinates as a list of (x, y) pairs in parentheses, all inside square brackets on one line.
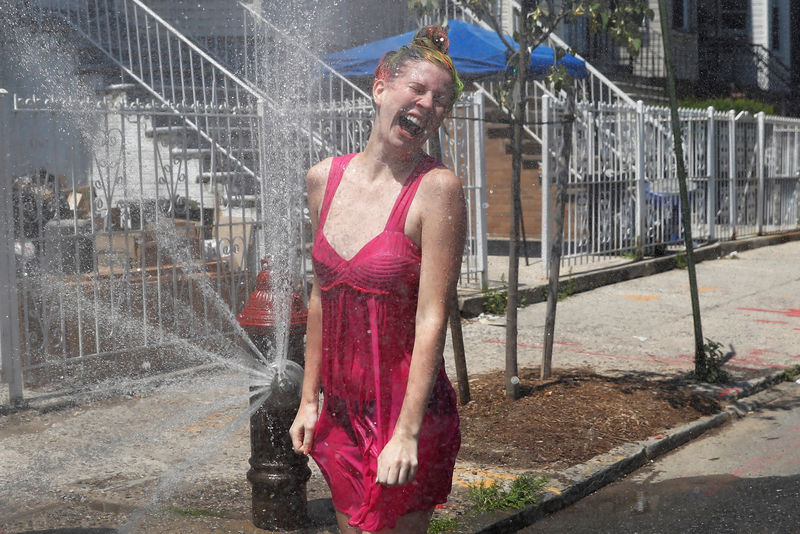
[(137, 441)]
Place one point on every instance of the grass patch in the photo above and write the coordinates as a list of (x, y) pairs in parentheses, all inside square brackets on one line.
[(521, 493), (566, 289), (791, 374), (440, 525), (191, 512), (494, 301)]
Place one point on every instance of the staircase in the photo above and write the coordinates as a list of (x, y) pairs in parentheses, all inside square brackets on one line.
[(131, 44)]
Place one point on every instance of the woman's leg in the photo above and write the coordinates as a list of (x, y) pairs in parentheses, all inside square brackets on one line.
[(411, 523), (344, 526)]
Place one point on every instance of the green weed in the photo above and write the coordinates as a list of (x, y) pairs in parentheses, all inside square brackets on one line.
[(566, 289), (521, 493), (709, 369), (791, 374), (494, 301), (680, 261), (440, 525)]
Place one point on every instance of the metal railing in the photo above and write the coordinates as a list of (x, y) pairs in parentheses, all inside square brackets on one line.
[(743, 179), (732, 59), (168, 66), (122, 261)]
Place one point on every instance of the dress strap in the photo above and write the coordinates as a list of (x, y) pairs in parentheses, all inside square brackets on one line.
[(338, 165), (397, 219)]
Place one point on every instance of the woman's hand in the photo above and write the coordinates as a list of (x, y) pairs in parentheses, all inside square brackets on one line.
[(302, 430), (397, 462)]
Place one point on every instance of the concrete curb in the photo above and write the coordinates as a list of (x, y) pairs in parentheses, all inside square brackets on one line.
[(471, 304), (601, 470)]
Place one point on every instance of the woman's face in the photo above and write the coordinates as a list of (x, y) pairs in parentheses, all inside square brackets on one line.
[(412, 104)]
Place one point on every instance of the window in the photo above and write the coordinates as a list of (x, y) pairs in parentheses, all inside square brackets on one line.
[(680, 14), (775, 28), (734, 14)]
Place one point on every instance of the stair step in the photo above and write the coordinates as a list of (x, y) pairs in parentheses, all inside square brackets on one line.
[(531, 164), (182, 130), (529, 148), (191, 153), (494, 132), (220, 177)]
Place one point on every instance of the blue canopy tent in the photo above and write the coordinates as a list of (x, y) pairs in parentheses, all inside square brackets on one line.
[(476, 53)]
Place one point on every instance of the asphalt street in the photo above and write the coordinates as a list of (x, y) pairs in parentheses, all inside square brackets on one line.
[(743, 477)]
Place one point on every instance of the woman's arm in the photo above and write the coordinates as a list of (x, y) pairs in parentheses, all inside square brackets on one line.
[(302, 429), (443, 222)]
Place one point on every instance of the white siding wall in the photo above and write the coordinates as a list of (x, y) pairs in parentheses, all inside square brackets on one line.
[(217, 18), (759, 22)]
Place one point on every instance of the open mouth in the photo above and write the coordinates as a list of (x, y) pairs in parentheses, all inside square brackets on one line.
[(411, 125)]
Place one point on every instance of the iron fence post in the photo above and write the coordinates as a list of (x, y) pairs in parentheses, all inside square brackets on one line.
[(640, 180), (9, 320), (546, 103), (479, 174), (712, 171), (760, 174), (731, 174)]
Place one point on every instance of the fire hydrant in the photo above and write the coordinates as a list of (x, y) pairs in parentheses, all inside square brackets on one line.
[(278, 475)]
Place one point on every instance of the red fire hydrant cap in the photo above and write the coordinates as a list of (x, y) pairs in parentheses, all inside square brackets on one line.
[(259, 310)]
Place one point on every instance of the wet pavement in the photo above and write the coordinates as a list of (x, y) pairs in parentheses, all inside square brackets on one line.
[(740, 478), (173, 457)]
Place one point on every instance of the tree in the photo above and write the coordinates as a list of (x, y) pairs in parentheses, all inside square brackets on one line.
[(537, 19), (701, 358)]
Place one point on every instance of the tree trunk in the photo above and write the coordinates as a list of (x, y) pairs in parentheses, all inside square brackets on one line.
[(557, 234), (517, 122), (686, 219)]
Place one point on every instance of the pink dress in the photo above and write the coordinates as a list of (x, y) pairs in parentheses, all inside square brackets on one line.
[(369, 307)]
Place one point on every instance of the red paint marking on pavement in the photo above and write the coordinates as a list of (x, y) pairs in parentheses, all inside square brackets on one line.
[(529, 346), (756, 362), (763, 351), (773, 322), (759, 464), (791, 312)]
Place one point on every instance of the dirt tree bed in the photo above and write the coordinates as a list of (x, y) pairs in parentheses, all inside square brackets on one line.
[(571, 417)]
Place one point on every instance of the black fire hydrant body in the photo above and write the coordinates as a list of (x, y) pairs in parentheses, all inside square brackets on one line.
[(278, 475)]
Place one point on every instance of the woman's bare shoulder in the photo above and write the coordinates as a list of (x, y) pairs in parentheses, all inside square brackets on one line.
[(441, 184), (317, 175)]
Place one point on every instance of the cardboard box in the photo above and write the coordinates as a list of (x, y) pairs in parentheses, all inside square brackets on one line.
[(173, 242)]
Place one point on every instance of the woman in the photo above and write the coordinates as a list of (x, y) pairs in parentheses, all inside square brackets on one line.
[(389, 227)]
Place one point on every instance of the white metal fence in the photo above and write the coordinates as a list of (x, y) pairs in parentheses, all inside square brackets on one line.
[(141, 244), (622, 195)]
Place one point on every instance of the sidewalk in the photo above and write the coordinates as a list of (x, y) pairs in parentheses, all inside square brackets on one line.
[(174, 459)]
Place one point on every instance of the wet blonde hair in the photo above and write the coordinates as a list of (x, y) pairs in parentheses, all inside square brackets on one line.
[(429, 44)]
